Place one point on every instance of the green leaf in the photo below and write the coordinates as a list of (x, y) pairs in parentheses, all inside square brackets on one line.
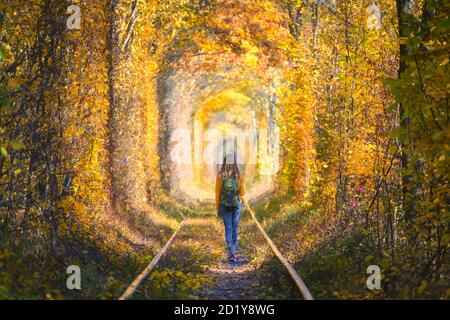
[(445, 23), (445, 239), (3, 152), (2, 53)]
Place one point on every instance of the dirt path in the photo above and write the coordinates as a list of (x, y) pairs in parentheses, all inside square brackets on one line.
[(195, 267), (235, 281)]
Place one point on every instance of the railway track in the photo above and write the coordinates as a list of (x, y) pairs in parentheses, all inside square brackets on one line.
[(300, 284)]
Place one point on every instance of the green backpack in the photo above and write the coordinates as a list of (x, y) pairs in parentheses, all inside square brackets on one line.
[(229, 196)]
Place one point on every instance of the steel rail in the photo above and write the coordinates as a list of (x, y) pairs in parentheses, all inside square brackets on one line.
[(144, 274), (292, 272), (294, 275)]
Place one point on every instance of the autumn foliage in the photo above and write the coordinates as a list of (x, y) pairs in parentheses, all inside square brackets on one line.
[(362, 114)]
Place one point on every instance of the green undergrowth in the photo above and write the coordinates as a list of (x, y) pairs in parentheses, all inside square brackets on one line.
[(104, 271), (332, 267), (108, 260), (182, 271), (333, 259), (179, 210)]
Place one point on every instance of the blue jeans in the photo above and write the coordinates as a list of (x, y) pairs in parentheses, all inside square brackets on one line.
[(231, 218)]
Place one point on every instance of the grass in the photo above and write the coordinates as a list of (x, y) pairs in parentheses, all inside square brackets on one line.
[(332, 267)]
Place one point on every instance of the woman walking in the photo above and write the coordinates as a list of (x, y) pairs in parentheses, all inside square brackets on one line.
[(230, 190)]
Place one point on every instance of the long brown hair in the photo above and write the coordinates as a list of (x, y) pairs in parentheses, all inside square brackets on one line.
[(229, 170)]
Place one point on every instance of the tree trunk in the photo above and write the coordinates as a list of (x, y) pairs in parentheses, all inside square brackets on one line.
[(402, 17), (113, 59)]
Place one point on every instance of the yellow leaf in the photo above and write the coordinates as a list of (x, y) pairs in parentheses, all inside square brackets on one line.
[(18, 145)]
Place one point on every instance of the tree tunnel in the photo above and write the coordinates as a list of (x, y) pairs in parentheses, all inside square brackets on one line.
[(116, 117), (216, 101), (209, 114)]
